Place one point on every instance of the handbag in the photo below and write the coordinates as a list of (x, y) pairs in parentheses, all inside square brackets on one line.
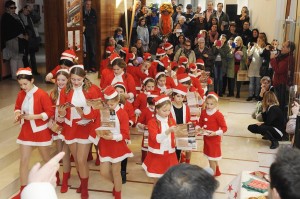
[(242, 76)]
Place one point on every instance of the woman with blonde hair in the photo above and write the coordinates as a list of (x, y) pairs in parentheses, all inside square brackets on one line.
[(272, 127)]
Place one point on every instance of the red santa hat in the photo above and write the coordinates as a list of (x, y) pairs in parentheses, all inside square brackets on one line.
[(183, 78), (182, 60), (76, 66), (113, 57), (120, 84), (153, 94), (65, 70), (24, 71), (109, 49), (146, 79), (69, 55), (180, 89), (192, 67), (167, 46), (159, 74), (174, 64), (200, 62), (147, 56), (160, 52), (214, 95), (160, 99), (131, 56), (110, 93), (165, 61)]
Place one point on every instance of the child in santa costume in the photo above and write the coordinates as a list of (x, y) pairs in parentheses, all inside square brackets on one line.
[(213, 126), (33, 109), (180, 112), (68, 58), (140, 102), (112, 146), (62, 77), (182, 65), (79, 118), (161, 148), (142, 123), (105, 62), (156, 65), (161, 81)]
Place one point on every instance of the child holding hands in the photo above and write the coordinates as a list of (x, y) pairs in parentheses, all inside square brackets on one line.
[(213, 126)]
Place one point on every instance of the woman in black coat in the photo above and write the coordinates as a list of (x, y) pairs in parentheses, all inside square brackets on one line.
[(273, 127)]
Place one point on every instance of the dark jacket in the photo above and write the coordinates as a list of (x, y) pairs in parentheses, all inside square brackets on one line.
[(90, 21), (274, 117), (209, 61)]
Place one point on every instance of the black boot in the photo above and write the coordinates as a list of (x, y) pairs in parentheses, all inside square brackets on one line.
[(123, 174), (274, 142)]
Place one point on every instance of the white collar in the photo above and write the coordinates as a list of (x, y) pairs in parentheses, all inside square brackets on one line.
[(119, 75), (33, 90), (78, 88), (161, 119), (211, 112)]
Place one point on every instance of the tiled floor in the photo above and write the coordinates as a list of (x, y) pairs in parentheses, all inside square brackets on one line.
[(241, 151)]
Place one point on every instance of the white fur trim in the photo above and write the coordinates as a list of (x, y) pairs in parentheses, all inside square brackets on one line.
[(205, 126), (162, 100), (205, 119), (44, 116), (24, 72), (158, 74), (179, 91), (184, 79), (219, 132), (68, 58), (115, 160), (108, 97), (151, 175), (95, 140), (213, 158), (214, 96), (76, 66), (30, 143), (80, 141), (65, 70), (137, 111)]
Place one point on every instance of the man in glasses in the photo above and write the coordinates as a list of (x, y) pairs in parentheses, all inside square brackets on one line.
[(13, 37), (187, 52)]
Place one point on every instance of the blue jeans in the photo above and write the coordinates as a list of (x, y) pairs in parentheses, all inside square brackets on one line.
[(254, 86), (218, 79)]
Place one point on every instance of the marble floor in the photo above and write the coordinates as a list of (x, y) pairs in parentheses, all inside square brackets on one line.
[(242, 151)]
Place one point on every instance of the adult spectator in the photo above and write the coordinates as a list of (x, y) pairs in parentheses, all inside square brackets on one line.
[(223, 18), (285, 175), (189, 16), (181, 42), (177, 31), (177, 14), (143, 34), (185, 181), (254, 36), (240, 19), (137, 8), (198, 10), (154, 41), (90, 23), (254, 68), (231, 32), (220, 51), (209, 11), (246, 33), (273, 125), (33, 39), (198, 23), (204, 53), (187, 52), (139, 47), (184, 27), (173, 2), (13, 37), (283, 67)]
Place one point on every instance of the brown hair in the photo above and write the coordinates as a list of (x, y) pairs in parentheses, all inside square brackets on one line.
[(122, 99), (81, 73), (158, 106), (54, 94), (120, 62), (265, 78), (269, 99), (149, 80)]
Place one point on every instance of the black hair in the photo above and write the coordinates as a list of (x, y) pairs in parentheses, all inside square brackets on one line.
[(66, 62), (285, 173), (185, 181), (9, 3), (150, 101), (291, 46), (24, 76), (160, 68)]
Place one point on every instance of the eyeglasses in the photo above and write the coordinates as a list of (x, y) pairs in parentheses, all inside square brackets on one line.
[(13, 7)]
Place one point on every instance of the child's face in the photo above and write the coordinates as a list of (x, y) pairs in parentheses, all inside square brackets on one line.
[(25, 84), (120, 90), (112, 104), (61, 81), (64, 67), (178, 98), (119, 32), (76, 80), (210, 104), (164, 111), (186, 84), (117, 70), (161, 81), (150, 86)]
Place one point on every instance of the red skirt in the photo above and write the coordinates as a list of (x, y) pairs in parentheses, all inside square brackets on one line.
[(212, 147), (113, 151), (77, 133), (28, 137), (156, 165)]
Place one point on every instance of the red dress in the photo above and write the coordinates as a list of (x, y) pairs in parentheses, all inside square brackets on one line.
[(212, 122), (140, 103), (161, 149), (116, 150), (77, 129), (34, 132), (146, 115)]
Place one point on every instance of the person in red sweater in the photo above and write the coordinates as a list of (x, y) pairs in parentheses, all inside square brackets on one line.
[(112, 146), (213, 126), (161, 147), (283, 67), (68, 58), (33, 108)]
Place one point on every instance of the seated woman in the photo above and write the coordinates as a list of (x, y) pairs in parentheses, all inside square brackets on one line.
[(265, 85), (272, 127)]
